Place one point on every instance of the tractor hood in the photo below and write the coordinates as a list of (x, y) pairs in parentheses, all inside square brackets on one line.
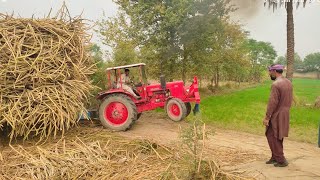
[(178, 90)]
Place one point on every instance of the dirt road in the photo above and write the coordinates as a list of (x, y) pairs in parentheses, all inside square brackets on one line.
[(248, 152)]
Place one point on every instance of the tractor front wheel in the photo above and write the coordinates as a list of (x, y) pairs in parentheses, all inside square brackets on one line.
[(188, 106), (176, 109), (117, 112)]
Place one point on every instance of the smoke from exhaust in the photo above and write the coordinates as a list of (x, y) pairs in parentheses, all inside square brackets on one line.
[(247, 8)]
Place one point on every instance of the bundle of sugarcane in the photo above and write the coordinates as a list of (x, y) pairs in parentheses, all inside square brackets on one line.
[(44, 69)]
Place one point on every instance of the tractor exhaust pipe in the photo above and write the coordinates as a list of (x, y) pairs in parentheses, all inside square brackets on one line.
[(163, 82)]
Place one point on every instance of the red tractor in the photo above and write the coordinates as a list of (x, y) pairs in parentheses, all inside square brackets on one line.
[(119, 109)]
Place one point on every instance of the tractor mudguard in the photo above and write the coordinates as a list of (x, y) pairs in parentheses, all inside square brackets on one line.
[(103, 94)]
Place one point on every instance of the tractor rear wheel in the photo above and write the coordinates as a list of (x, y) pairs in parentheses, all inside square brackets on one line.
[(176, 109), (117, 112), (188, 106)]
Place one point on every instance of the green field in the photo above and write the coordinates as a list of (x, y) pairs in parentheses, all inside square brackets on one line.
[(244, 110)]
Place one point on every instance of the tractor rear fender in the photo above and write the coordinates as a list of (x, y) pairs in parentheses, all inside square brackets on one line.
[(103, 94)]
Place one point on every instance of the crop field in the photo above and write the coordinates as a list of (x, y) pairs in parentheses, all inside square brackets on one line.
[(244, 110)]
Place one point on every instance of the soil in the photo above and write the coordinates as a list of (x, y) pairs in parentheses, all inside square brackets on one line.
[(243, 152)]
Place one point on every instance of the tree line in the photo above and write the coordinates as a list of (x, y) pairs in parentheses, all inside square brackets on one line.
[(311, 63)]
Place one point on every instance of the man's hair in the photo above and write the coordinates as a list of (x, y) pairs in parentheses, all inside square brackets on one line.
[(126, 70)]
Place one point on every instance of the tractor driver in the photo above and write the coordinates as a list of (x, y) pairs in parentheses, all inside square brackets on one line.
[(126, 81)]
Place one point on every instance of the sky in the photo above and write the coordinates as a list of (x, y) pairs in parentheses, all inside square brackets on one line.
[(266, 25), (263, 24)]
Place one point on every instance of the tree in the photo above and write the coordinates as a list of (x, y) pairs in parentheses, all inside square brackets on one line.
[(179, 38), (290, 29), (298, 63), (312, 63), (204, 34), (281, 60), (174, 35), (98, 78), (228, 53), (212, 46), (118, 34), (155, 25), (262, 54)]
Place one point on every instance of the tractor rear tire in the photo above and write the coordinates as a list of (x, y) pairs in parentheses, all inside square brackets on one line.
[(176, 109), (117, 112), (188, 106)]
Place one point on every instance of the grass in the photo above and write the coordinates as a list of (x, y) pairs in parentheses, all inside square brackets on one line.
[(244, 110), (307, 89)]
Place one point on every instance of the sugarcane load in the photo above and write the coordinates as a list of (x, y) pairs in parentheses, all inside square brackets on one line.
[(44, 73)]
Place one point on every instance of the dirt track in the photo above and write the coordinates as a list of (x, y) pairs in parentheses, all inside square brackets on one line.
[(304, 159)]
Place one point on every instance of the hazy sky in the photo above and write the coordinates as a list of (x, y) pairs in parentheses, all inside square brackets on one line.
[(266, 25), (263, 24)]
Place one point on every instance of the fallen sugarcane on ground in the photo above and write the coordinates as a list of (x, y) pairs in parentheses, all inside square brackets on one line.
[(44, 69), (96, 153)]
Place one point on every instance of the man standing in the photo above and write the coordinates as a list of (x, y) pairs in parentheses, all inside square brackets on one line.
[(125, 81), (278, 115)]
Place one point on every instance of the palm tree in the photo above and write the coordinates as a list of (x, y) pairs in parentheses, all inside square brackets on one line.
[(290, 29)]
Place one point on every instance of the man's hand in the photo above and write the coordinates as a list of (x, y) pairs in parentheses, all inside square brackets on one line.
[(265, 122)]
